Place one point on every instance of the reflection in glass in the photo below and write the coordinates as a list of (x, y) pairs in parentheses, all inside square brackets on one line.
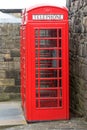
[(44, 43), (48, 103), (48, 83), (48, 33), (48, 74), (46, 93)]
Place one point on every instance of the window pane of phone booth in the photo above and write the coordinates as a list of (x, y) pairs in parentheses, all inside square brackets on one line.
[(51, 43), (52, 92), (48, 63), (59, 33), (48, 74), (48, 103), (49, 83), (52, 63), (48, 33), (48, 53), (48, 43), (46, 93)]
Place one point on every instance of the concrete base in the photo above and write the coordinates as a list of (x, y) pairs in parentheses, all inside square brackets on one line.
[(11, 114)]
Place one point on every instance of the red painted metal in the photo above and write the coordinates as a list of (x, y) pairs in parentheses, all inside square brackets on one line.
[(44, 64)]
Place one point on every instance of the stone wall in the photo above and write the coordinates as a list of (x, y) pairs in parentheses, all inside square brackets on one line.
[(9, 61), (78, 56)]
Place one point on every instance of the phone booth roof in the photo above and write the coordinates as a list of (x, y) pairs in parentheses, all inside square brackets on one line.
[(46, 13)]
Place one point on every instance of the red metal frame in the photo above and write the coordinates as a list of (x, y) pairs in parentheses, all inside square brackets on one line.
[(45, 76)]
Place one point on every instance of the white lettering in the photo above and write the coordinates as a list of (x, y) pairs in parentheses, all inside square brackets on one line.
[(48, 17)]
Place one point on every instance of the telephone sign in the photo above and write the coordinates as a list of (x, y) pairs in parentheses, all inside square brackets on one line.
[(47, 17)]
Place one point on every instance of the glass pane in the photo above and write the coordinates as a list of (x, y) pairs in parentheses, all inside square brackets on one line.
[(37, 103), (59, 53), (48, 33), (48, 53), (60, 43), (48, 103), (48, 73), (60, 82), (48, 43), (36, 53), (60, 93), (36, 33), (60, 63), (60, 103), (60, 73), (36, 43), (59, 32), (37, 64), (36, 73), (48, 83), (36, 83), (48, 63), (46, 93)]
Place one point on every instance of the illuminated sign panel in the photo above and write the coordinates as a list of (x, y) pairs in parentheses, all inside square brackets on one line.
[(47, 17)]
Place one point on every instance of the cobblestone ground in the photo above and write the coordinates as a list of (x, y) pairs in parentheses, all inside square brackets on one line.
[(72, 124)]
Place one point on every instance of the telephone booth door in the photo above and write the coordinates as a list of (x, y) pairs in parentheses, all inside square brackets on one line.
[(49, 92)]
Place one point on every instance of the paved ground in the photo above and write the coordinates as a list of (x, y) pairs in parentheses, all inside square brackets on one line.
[(72, 124), (11, 114)]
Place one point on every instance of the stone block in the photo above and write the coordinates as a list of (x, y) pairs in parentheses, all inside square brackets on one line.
[(9, 44), (80, 4), (2, 74), (4, 51), (80, 50), (2, 44), (2, 57), (85, 23), (3, 65), (15, 53), (14, 96), (84, 71), (17, 82), (4, 97), (16, 59), (17, 44), (7, 57), (84, 50), (3, 29), (85, 11), (7, 82), (10, 65), (2, 89), (76, 3), (85, 95), (12, 89), (17, 65), (13, 74)]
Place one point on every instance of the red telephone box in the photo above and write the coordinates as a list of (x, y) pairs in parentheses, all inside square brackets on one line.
[(44, 63)]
